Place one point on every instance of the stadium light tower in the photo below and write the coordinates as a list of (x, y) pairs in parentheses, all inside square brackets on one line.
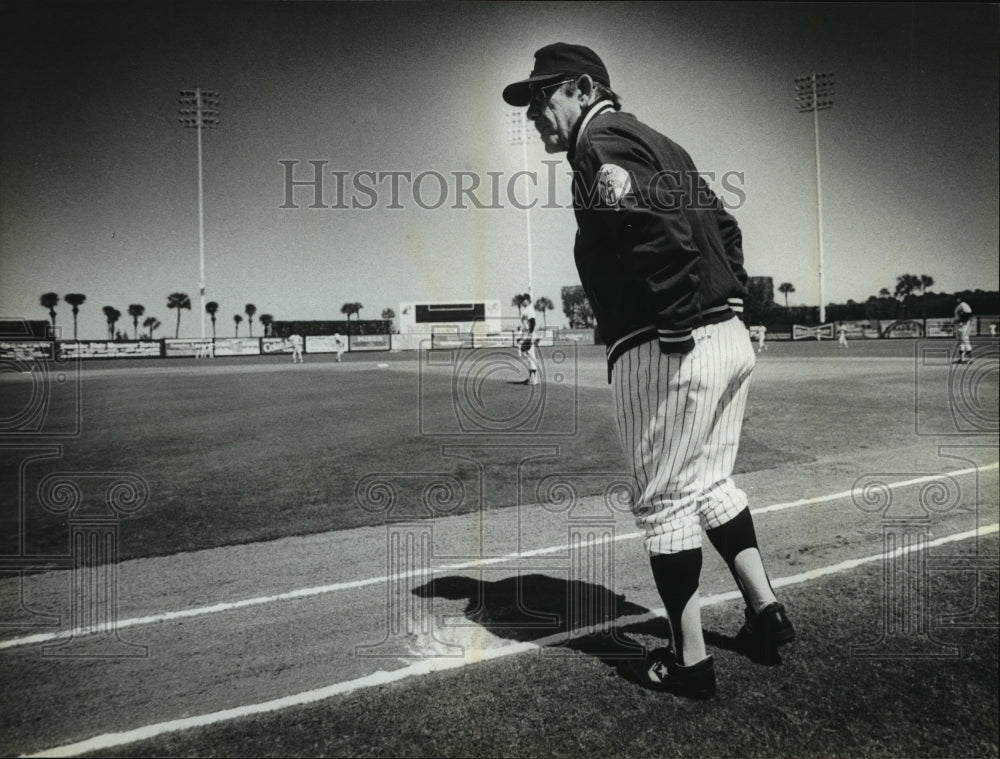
[(200, 110), (814, 93), (517, 131)]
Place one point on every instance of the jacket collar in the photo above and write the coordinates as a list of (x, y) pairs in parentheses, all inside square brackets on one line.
[(599, 107)]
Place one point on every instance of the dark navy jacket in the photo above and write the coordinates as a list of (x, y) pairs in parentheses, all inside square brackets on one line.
[(657, 253)]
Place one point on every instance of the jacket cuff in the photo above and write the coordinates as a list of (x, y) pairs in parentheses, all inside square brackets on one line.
[(675, 340)]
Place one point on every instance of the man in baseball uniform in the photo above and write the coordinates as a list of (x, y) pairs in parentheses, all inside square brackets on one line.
[(842, 335), (340, 344), (296, 341), (661, 262), (761, 337), (963, 329), (527, 340)]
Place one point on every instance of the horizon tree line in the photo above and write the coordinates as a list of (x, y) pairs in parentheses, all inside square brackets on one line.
[(908, 286), (175, 301)]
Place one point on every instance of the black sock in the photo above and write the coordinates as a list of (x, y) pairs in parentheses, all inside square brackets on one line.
[(676, 576), (730, 539)]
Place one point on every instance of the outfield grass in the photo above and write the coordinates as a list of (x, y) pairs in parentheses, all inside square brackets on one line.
[(242, 450)]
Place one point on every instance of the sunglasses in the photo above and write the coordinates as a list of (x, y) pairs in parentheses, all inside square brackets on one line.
[(539, 96)]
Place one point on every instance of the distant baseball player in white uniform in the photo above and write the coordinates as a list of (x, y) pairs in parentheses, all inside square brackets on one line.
[(296, 340), (528, 340), (761, 337), (842, 335), (341, 345), (963, 329)]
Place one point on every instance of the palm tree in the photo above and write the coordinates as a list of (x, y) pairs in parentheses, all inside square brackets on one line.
[(906, 285), (266, 320), (152, 324), (135, 311), (351, 308), (237, 318), (112, 315), (518, 301), (786, 288), (211, 308), (925, 282), (250, 309), (178, 301), (543, 304), (75, 300), (50, 301)]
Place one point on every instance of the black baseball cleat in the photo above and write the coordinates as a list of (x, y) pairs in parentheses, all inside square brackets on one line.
[(764, 632), (661, 672)]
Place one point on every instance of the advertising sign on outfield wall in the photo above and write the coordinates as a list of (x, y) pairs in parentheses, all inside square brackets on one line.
[(237, 346), (499, 340), (451, 340), (860, 330), (26, 349), (411, 341), (324, 343), (902, 328), (369, 342), (176, 347), (574, 336), (939, 327), (109, 349), (275, 345), (809, 332)]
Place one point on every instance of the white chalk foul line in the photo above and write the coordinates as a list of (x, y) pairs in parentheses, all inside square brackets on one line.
[(427, 666), (299, 593), (891, 486)]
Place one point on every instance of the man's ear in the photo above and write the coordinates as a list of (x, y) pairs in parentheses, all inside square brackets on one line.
[(585, 87)]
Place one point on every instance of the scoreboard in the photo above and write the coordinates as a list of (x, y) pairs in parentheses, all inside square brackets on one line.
[(461, 317)]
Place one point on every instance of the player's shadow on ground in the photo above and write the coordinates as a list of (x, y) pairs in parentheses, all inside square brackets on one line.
[(554, 612), (536, 607)]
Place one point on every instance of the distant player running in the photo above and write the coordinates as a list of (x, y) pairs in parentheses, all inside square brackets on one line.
[(842, 335), (341, 344)]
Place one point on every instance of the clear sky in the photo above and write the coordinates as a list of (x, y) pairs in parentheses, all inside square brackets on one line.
[(98, 180)]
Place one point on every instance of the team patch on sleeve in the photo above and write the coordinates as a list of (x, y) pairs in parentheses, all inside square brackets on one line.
[(613, 184)]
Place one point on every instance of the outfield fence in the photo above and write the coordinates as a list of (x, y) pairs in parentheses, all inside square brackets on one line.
[(18, 347), (894, 329)]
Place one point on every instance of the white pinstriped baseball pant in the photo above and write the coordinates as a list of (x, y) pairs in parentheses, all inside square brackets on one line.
[(679, 420)]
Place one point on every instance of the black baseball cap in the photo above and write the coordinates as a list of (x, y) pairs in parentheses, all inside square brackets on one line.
[(554, 62)]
